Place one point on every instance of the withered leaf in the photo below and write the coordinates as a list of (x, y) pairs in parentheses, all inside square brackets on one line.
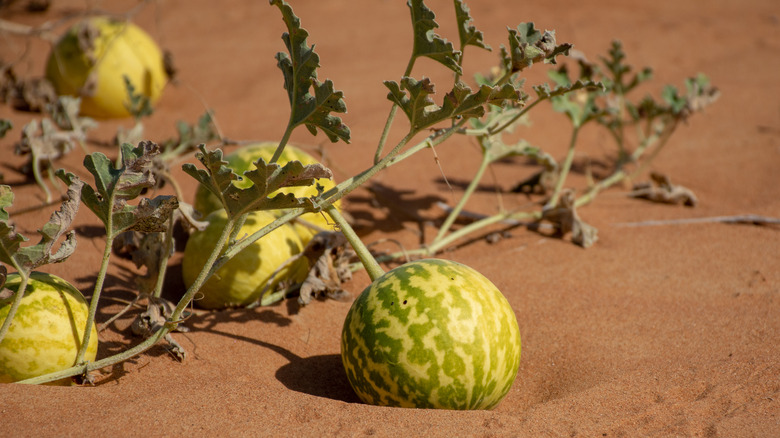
[(565, 219), (662, 190), (31, 257), (328, 255)]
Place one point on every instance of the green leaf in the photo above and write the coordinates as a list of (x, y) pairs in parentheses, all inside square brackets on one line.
[(266, 178), (528, 46), (115, 186), (544, 91), (6, 200), (5, 126), (10, 242), (468, 33), (618, 80), (139, 105), (495, 148), (42, 253), (575, 99), (217, 176), (300, 76), (460, 102), (427, 42)]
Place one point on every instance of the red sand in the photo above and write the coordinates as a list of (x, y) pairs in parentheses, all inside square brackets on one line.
[(654, 331)]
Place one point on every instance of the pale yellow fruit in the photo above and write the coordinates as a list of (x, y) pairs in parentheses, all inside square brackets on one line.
[(47, 330), (241, 280), (92, 59)]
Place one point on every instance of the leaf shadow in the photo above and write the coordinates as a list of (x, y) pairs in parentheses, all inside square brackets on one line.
[(462, 184), (90, 231), (389, 209)]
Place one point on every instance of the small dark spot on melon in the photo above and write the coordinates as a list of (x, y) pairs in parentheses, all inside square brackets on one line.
[(404, 301)]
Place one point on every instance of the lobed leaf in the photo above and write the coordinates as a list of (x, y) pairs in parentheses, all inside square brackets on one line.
[(528, 46), (468, 33), (300, 77), (5, 126), (544, 91), (266, 178), (575, 99), (414, 98), (495, 148), (618, 80), (138, 104), (115, 186), (6, 200), (42, 253), (426, 42)]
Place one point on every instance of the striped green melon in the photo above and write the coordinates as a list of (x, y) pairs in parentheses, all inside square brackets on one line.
[(243, 159), (47, 329), (431, 334), (240, 281)]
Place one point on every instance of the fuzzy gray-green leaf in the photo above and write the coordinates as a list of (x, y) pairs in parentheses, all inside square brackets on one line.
[(426, 42), (414, 98), (528, 46), (468, 33), (300, 76)]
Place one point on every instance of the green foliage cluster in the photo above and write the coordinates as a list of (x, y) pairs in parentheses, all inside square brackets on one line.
[(485, 110)]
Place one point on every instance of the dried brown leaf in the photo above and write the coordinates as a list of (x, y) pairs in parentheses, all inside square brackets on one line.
[(662, 190), (328, 255), (565, 220)]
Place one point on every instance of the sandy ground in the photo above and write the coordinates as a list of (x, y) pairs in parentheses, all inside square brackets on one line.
[(655, 331)]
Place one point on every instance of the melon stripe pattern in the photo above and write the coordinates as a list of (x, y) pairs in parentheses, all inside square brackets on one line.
[(431, 334), (46, 333)]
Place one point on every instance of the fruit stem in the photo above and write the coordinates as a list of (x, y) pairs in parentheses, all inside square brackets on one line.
[(17, 301), (372, 266), (209, 268), (283, 142)]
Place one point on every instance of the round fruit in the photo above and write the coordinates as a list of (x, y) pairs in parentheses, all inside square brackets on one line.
[(243, 159), (47, 329), (241, 280), (431, 334), (92, 59)]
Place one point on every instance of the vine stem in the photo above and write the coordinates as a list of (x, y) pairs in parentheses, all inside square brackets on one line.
[(621, 174), (470, 228), (93, 304), (204, 274), (285, 138), (167, 249), (466, 195), (390, 118), (564, 169), (372, 266), (25, 278), (149, 342), (111, 360)]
